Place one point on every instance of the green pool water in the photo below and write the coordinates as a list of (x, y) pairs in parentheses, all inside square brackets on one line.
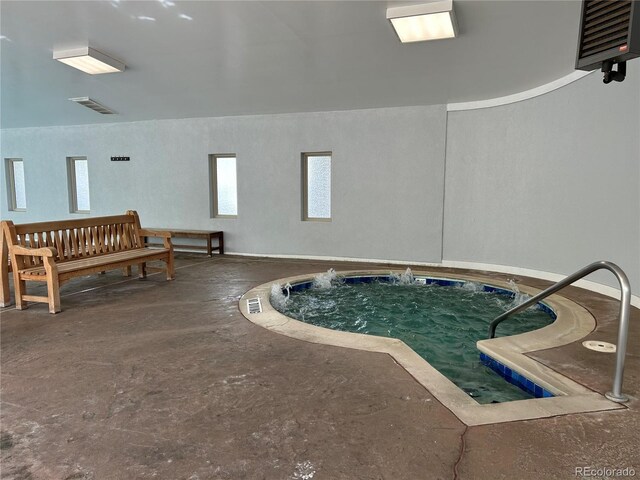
[(440, 323)]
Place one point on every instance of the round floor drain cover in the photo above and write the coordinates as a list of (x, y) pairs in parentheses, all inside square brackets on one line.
[(599, 346)]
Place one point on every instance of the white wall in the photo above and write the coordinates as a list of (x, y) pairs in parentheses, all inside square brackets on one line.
[(387, 178), (551, 183)]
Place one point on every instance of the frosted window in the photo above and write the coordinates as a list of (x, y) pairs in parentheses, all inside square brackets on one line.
[(82, 185), (79, 184), (318, 186), (18, 184), (15, 184), (226, 187)]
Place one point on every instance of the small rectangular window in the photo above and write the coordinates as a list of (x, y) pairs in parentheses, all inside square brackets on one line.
[(78, 176), (16, 192), (316, 186), (224, 185)]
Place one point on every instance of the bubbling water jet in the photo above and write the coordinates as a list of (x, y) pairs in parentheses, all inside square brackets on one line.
[(405, 278), (325, 280), (278, 298)]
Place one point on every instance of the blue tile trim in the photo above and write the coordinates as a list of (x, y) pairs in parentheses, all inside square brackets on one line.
[(501, 291), (514, 377), (547, 309), (299, 287), (366, 279), (443, 282)]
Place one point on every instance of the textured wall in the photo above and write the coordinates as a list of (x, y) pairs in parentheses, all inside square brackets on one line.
[(387, 178), (551, 183)]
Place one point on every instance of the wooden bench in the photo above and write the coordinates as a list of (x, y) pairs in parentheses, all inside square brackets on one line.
[(205, 235), (54, 252)]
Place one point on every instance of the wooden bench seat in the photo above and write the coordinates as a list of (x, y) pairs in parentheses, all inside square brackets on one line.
[(97, 264), (54, 252)]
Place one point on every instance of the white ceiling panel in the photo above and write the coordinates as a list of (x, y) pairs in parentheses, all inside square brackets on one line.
[(200, 59)]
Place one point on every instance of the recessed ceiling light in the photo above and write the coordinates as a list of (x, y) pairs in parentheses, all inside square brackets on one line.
[(93, 105), (89, 60), (427, 21)]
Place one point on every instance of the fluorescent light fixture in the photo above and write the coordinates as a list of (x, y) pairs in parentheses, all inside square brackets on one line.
[(427, 21), (89, 60)]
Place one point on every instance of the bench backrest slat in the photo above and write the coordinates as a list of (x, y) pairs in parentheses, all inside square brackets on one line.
[(78, 238), (76, 223)]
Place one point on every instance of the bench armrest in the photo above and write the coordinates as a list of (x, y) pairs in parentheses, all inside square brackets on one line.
[(150, 232), (164, 234), (33, 252)]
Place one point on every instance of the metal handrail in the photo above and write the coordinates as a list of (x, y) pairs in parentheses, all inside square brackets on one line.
[(625, 307)]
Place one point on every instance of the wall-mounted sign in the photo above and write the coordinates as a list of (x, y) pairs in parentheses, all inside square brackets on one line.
[(120, 159)]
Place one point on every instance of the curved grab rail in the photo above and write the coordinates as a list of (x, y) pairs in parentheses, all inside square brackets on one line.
[(625, 306)]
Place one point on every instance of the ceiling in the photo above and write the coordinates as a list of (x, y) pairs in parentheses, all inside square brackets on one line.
[(206, 59)]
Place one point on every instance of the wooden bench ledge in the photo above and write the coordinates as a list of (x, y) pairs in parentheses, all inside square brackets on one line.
[(206, 235)]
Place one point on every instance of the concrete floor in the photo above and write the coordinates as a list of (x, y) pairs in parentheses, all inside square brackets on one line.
[(167, 380)]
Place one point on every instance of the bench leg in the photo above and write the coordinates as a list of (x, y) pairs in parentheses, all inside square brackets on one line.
[(126, 271), (20, 290), (53, 292), (53, 284), (171, 273), (142, 270), (209, 252), (5, 294)]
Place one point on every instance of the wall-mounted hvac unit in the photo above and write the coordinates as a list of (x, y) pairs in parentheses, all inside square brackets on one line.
[(609, 35)]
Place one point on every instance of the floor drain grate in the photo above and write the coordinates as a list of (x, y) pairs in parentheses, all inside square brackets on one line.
[(599, 346), (254, 305)]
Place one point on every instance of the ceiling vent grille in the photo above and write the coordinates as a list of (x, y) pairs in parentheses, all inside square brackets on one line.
[(93, 105), (609, 31)]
